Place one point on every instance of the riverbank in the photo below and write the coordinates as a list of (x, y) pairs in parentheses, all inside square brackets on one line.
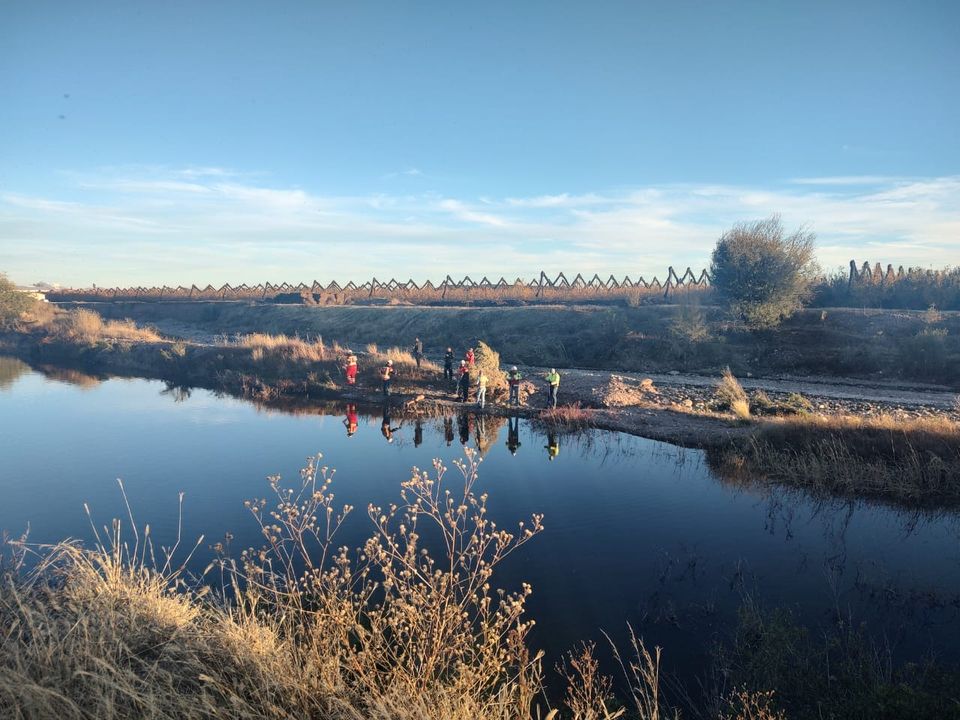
[(899, 443), (868, 344)]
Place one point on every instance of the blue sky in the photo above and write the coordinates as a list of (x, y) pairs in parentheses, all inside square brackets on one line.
[(179, 142)]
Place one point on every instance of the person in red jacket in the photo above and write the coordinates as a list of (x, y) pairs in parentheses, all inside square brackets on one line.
[(470, 358), (350, 368)]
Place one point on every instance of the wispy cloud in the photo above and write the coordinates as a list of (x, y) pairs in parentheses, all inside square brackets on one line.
[(202, 225)]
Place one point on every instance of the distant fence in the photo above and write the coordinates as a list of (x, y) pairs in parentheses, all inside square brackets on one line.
[(542, 289), (875, 275), (913, 288)]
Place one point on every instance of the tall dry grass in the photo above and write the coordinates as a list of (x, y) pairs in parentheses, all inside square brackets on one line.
[(729, 394), (909, 461), (86, 326)]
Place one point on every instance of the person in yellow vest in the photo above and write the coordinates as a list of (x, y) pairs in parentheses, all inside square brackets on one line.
[(386, 377), (553, 380)]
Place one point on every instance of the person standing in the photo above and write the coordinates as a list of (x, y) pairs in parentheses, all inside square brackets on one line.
[(448, 365), (481, 388), (513, 382), (463, 382), (418, 351), (350, 369), (386, 377), (553, 380), (470, 358)]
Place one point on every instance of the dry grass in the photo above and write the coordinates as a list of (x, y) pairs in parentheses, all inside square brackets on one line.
[(87, 327), (293, 348), (730, 395), (910, 461), (571, 416)]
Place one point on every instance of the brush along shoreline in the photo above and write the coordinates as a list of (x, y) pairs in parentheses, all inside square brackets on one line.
[(882, 442)]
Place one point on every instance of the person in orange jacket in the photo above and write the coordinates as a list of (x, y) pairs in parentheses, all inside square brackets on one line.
[(386, 377)]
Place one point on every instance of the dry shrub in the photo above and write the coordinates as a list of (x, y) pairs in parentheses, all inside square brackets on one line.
[(114, 632), (743, 704), (588, 690), (730, 395), (488, 361)]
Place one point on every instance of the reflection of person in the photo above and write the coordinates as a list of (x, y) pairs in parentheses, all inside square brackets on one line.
[(351, 368), (418, 433), (513, 434), (464, 423), (448, 430), (385, 428), (351, 420), (553, 445)]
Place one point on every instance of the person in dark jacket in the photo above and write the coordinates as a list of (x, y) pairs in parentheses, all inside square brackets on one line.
[(418, 351), (448, 365), (463, 383)]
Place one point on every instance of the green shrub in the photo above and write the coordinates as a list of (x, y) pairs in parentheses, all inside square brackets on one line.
[(13, 303), (761, 273)]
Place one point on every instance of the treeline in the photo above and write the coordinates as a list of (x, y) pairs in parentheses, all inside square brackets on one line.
[(911, 289)]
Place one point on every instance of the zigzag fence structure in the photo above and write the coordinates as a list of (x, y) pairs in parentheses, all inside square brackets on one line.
[(542, 289), (876, 275)]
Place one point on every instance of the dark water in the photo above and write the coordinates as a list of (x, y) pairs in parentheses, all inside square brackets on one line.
[(636, 531)]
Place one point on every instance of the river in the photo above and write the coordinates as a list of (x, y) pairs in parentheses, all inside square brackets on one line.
[(637, 531)]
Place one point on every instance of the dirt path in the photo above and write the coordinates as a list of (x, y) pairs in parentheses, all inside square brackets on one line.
[(830, 395)]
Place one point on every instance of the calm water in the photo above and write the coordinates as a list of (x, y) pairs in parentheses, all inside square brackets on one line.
[(637, 531)]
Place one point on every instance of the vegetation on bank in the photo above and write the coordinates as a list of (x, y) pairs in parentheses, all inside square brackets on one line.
[(762, 274), (914, 462)]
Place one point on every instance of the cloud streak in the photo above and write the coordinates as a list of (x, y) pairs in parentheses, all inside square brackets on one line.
[(177, 226)]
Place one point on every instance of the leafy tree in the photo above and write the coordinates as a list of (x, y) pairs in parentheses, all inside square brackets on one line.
[(13, 303), (761, 273)]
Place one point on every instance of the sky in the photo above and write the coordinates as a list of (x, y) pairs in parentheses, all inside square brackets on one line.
[(150, 143)]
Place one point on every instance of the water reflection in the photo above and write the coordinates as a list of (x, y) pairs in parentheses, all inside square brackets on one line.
[(11, 369)]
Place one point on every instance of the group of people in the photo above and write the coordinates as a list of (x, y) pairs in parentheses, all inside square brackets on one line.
[(466, 376)]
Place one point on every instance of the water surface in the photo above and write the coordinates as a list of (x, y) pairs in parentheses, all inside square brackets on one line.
[(636, 530)]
